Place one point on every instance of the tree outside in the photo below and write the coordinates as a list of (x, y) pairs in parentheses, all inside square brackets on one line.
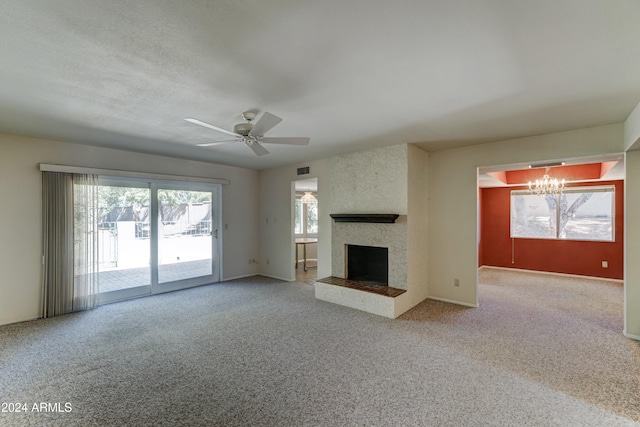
[(577, 215)]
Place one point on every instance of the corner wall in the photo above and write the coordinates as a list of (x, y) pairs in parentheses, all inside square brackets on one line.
[(632, 130), (275, 219), (417, 231), (632, 246)]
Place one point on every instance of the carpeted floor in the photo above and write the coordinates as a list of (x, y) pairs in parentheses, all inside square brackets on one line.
[(539, 351)]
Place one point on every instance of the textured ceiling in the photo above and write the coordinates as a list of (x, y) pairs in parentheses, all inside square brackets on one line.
[(350, 75)]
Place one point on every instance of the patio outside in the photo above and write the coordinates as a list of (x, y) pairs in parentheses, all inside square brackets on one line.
[(124, 239)]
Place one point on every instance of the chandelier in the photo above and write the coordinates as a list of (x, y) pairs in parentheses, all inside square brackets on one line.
[(546, 185), (308, 198)]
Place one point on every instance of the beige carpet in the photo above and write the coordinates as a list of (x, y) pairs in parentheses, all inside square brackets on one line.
[(561, 332), (261, 352)]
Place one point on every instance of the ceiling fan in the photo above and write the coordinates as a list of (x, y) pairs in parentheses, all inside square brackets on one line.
[(252, 135)]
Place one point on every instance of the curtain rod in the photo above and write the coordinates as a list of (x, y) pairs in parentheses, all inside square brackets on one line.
[(44, 167)]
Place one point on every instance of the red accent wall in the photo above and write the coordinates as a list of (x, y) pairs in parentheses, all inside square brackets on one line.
[(558, 256)]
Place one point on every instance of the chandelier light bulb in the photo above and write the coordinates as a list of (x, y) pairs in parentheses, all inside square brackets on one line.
[(308, 198), (547, 185)]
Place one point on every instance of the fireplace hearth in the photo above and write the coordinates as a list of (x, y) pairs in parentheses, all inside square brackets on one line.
[(367, 264)]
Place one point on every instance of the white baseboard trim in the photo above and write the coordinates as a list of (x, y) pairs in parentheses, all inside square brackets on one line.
[(451, 301), (633, 337), (256, 274), (551, 273), (12, 321), (276, 277), (226, 279)]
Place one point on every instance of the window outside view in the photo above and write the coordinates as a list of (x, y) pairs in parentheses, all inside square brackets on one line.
[(585, 213), (124, 248), (184, 236), (306, 221)]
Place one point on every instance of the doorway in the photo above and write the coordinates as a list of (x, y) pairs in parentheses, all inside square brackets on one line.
[(577, 231), (305, 230), (156, 236)]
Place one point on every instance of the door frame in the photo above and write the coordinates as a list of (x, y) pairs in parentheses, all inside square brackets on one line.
[(154, 287)]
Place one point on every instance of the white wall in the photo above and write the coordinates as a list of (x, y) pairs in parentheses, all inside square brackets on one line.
[(453, 230), (417, 230), (632, 225), (632, 245), (276, 219), (632, 130), (20, 212)]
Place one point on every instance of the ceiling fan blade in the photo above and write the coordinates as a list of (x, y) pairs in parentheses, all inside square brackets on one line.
[(264, 124), (210, 144), (287, 141), (207, 125), (257, 148)]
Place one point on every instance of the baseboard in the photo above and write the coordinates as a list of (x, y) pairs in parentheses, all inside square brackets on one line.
[(11, 322), (275, 277), (633, 337), (551, 273), (256, 274), (451, 301), (226, 279)]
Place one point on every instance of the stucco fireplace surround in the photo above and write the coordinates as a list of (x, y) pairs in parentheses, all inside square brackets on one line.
[(361, 295), (379, 199)]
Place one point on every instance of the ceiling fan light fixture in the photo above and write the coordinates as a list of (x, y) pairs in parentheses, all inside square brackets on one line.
[(243, 128)]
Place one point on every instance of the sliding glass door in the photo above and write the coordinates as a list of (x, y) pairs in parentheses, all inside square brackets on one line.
[(187, 234), (156, 236), (124, 245)]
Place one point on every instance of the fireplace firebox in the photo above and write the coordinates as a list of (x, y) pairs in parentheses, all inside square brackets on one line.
[(368, 264)]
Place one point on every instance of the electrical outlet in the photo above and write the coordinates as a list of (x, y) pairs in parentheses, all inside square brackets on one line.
[(605, 264), (267, 261), (456, 282)]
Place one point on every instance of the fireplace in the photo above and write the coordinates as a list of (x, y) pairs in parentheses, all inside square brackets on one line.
[(367, 264)]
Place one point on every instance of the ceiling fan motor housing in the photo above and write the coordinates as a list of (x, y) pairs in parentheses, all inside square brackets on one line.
[(243, 128)]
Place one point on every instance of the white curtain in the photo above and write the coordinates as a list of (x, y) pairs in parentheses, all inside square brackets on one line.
[(85, 238), (70, 243)]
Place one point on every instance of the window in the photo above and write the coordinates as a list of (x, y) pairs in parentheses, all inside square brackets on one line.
[(306, 218), (579, 213)]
